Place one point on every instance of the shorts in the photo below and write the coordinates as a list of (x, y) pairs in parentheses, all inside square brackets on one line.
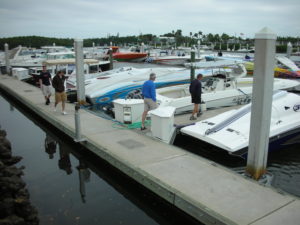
[(149, 104), (46, 90), (60, 97), (196, 99)]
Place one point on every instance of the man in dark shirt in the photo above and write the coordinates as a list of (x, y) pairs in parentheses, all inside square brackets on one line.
[(60, 95), (45, 81), (196, 91)]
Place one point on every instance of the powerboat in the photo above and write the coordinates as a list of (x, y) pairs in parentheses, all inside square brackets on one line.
[(93, 77), (173, 60), (129, 84), (128, 56), (230, 130), (285, 68), (219, 88), (103, 90), (217, 91), (26, 58)]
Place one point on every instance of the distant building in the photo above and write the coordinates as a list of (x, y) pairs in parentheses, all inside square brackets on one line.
[(233, 41), (165, 40)]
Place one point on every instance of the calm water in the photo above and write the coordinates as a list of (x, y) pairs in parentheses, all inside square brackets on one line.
[(69, 186)]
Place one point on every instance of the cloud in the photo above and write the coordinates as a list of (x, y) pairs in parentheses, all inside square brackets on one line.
[(97, 18)]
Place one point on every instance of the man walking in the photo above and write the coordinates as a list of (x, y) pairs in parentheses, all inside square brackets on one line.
[(148, 91), (60, 95), (45, 80), (196, 91)]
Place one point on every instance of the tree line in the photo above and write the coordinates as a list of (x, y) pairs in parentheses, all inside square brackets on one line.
[(149, 39)]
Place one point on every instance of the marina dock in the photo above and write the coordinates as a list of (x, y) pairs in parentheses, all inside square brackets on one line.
[(209, 192)]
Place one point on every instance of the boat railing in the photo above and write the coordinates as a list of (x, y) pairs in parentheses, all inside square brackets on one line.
[(238, 114), (241, 112)]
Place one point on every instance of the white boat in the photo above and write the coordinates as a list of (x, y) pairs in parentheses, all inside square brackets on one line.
[(93, 77), (217, 92), (230, 130), (24, 57), (128, 84), (285, 67), (174, 60), (219, 88), (104, 89), (91, 66)]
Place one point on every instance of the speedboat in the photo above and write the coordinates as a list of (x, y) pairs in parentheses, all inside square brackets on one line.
[(219, 88), (221, 94), (230, 130), (26, 58), (128, 85), (103, 90), (93, 77), (128, 56), (174, 60), (285, 68)]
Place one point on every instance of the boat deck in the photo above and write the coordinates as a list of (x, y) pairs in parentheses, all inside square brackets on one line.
[(184, 119), (209, 192)]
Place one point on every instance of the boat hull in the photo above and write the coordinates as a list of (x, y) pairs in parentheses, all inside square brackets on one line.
[(230, 130), (276, 142), (212, 100), (130, 57)]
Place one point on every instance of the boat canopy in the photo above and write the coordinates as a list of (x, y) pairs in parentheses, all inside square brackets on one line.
[(52, 62), (213, 64)]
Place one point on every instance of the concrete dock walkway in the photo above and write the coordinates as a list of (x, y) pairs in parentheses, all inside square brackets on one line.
[(209, 192)]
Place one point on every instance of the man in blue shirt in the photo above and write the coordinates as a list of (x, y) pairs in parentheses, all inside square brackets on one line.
[(149, 94)]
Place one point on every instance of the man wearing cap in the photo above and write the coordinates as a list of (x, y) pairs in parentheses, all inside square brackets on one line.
[(148, 91)]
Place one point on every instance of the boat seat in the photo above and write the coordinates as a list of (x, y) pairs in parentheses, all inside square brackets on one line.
[(174, 94)]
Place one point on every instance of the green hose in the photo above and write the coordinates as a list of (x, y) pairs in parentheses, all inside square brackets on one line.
[(136, 125)]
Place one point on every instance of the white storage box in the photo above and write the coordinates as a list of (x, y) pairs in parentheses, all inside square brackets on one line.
[(20, 73), (162, 122), (128, 110)]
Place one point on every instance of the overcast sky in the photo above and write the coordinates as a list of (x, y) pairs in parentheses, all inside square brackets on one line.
[(98, 18)]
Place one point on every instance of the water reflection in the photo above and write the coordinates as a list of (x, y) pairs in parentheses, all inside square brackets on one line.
[(98, 194), (64, 162), (84, 177), (88, 164), (50, 146)]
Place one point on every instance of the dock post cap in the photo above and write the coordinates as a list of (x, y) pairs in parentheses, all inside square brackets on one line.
[(289, 44), (265, 33)]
